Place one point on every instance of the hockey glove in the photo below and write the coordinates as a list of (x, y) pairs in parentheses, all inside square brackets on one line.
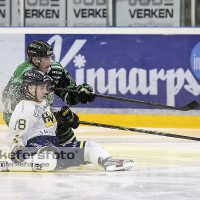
[(71, 98), (85, 95), (65, 115), (19, 154)]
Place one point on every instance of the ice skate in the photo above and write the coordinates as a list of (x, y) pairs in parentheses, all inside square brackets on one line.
[(3, 166), (110, 164)]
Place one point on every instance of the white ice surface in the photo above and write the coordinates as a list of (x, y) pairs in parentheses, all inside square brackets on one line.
[(165, 169)]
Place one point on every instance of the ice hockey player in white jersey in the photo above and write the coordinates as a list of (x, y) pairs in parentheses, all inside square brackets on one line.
[(32, 135), (41, 56)]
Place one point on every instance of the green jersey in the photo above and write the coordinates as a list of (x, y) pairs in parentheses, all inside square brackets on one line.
[(12, 92)]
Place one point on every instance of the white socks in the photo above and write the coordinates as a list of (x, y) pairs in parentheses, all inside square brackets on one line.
[(93, 151)]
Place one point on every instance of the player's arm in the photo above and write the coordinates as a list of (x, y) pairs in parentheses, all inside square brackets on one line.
[(66, 120), (12, 92), (20, 127), (64, 80)]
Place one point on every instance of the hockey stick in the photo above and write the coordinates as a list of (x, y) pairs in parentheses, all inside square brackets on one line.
[(139, 130), (192, 105)]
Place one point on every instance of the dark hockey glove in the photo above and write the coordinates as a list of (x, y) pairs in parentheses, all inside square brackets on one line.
[(65, 115), (85, 95), (19, 154)]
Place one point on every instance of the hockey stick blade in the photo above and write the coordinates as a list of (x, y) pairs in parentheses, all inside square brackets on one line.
[(192, 105), (139, 130)]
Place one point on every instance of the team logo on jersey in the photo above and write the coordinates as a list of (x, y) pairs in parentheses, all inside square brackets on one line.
[(49, 119), (38, 111)]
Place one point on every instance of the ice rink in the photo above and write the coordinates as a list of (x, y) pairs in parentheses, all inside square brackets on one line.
[(165, 169)]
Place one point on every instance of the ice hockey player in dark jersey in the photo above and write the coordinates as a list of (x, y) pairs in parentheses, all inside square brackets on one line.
[(41, 56)]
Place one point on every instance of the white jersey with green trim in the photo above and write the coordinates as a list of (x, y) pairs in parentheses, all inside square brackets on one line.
[(28, 120)]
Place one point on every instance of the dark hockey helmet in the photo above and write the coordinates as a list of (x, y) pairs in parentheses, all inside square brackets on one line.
[(34, 77), (39, 48)]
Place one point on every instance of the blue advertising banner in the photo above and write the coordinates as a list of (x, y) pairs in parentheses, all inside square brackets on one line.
[(162, 69)]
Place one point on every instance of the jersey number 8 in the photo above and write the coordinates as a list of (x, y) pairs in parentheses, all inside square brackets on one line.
[(20, 124)]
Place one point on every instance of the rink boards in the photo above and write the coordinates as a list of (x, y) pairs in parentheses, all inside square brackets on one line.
[(140, 120), (159, 65)]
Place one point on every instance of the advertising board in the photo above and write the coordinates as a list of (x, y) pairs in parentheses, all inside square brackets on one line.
[(40, 13), (148, 13), (86, 13), (146, 64), (154, 68), (90, 13)]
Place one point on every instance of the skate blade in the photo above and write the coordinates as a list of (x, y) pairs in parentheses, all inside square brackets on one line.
[(127, 165)]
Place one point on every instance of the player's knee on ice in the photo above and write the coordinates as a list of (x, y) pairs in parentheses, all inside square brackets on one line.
[(44, 162), (93, 151)]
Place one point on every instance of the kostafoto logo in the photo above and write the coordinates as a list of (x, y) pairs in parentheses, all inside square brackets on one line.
[(195, 60)]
